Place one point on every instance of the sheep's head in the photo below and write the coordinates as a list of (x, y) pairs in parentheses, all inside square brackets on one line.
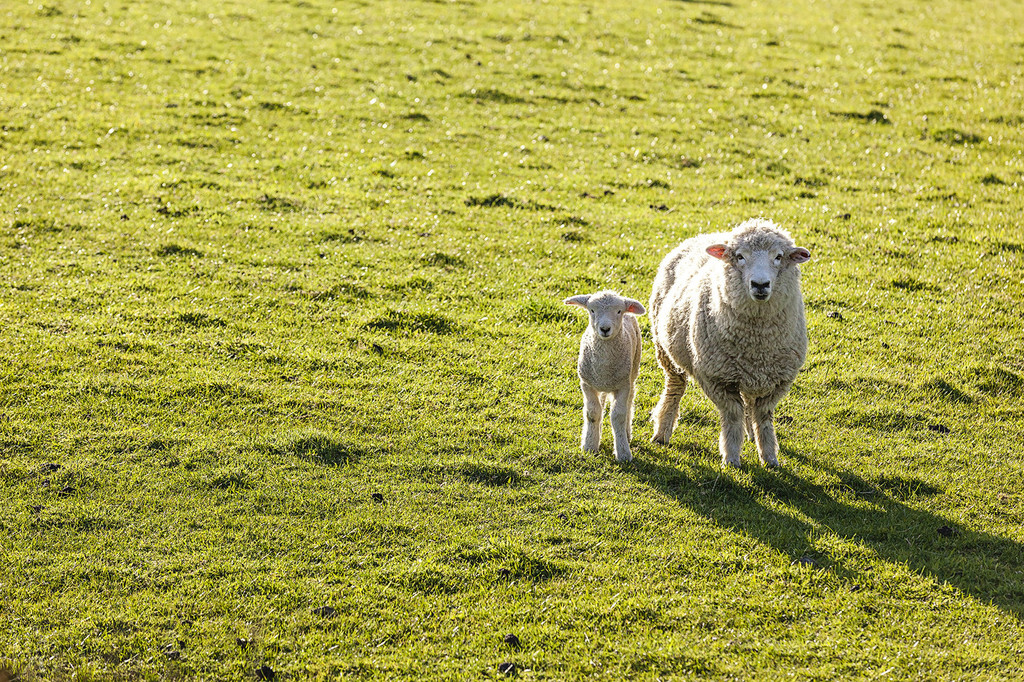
[(759, 253), (606, 310)]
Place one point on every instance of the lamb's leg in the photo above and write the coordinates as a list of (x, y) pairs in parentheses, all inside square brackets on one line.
[(764, 430), (621, 409), (730, 408), (629, 416), (593, 409)]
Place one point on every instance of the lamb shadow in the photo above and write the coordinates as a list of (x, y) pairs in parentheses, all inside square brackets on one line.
[(985, 566)]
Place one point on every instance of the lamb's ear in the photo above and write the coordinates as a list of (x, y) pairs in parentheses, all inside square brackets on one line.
[(717, 250), (580, 300), (799, 255), (635, 307)]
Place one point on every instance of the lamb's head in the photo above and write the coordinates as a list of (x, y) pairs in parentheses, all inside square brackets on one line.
[(606, 310), (759, 254)]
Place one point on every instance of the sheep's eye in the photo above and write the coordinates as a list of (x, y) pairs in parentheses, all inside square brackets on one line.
[(778, 259), (620, 312), (741, 260)]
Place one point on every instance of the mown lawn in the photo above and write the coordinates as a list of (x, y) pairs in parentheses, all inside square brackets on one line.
[(288, 390)]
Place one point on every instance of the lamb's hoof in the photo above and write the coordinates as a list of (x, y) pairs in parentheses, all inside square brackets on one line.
[(731, 462), (623, 458), (771, 464)]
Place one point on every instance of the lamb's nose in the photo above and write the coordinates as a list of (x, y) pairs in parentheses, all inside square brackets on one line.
[(763, 286), (606, 330)]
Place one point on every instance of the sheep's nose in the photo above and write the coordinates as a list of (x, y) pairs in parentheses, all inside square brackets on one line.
[(761, 286), (606, 329)]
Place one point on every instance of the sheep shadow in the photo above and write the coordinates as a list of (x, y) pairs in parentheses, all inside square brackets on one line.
[(985, 566)]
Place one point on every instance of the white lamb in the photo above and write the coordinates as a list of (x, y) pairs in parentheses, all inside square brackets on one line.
[(726, 310), (609, 363)]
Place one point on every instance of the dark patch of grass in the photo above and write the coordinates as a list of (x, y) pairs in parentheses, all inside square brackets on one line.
[(906, 487), (876, 116), (912, 285), (488, 474), (884, 419), (803, 181), (269, 202), (229, 478), (502, 201), (652, 184), (413, 322), (494, 96), (428, 580), (955, 136), (946, 391), (710, 19), (198, 320), (177, 250), (347, 236), (340, 291), (415, 283), (996, 382), (444, 260), (318, 447), (992, 179)]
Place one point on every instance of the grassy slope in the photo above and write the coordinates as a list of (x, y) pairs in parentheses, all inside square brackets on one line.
[(263, 262)]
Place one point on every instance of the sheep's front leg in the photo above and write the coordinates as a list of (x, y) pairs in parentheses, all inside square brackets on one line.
[(621, 410), (764, 430), (593, 410), (666, 412), (730, 408)]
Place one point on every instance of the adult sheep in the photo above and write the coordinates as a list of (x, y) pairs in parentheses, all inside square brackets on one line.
[(726, 310)]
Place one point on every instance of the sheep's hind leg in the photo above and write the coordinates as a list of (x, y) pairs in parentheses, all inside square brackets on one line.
[(621, 410), (593, 409), (748, 418), (730, 407), (764, 431)]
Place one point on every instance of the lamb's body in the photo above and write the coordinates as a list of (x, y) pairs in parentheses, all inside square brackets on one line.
[(710, 322), (608, 366)]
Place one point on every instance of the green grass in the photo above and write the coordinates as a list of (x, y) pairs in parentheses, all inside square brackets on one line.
[(264, 260)]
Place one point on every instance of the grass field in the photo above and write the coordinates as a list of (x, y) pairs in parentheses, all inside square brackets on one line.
[(288, 390)]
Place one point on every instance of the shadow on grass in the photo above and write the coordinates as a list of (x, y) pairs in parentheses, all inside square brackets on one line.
[(985, 566), (316, 447)]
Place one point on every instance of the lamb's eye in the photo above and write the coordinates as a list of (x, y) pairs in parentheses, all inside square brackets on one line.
[(620, 312), (778, 258), (741, 260)]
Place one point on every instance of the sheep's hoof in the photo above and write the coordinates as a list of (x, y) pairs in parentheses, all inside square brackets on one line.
[(734, 463), (773, 464), (628, 457)]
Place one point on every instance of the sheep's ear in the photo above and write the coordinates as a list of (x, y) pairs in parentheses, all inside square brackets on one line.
[(717, 250), (799, 255), (580, 300), (635, 307)]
